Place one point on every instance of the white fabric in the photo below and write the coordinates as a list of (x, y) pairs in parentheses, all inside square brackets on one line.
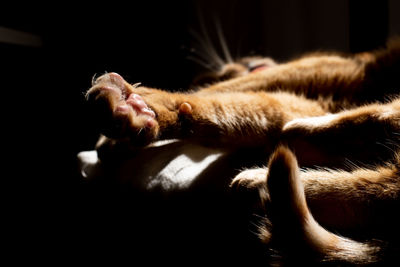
[(166, 165)]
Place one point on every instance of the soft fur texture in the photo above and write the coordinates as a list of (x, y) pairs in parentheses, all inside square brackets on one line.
[(338, 115)]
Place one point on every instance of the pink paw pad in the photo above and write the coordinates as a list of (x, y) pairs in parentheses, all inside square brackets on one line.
[(150, 123), (122, 109), (137, 103)]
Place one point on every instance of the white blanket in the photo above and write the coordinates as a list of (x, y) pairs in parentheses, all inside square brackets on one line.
[(166, 166)]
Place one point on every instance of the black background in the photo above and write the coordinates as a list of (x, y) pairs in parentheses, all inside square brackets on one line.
[(45, 122)]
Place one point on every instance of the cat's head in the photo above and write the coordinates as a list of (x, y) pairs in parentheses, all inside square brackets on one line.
[(241, 67)]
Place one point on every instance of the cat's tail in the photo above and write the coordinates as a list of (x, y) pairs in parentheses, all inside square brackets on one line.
[(293, 226)]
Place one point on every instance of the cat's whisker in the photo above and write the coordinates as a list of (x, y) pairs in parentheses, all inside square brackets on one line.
[(210, 46), (198, 49), (201, 62), (201, 50), (209, 49), (222, 41), (238, 49), (206, 58)]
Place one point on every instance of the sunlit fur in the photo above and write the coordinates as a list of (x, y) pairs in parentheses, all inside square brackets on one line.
[(336, 114)]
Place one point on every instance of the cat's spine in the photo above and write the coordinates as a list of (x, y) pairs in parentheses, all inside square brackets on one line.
[(294, 225)]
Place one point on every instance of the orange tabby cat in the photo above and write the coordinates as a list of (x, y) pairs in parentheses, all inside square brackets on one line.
[(328, 109)]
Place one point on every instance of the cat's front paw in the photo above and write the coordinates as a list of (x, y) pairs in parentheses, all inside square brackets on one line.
[(120, 111), (251, 184), (251, 179)]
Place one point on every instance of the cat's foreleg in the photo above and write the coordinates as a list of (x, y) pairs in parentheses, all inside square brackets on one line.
[(313, 76), (143, 115), (367, 134)]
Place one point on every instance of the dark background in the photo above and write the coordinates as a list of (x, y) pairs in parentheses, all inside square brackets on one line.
[(45, 122)]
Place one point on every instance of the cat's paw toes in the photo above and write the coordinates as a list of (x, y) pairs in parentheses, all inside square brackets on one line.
[(249, 180), (120, 112), (140, 108), (251, 185)]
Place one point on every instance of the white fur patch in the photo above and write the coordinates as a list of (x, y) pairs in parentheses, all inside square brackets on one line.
[(311, 122)]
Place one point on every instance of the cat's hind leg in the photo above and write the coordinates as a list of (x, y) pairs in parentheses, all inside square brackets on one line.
[(286, 192), (293, 223)]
